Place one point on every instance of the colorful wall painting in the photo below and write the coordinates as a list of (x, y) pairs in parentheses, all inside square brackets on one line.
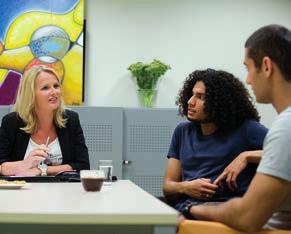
[(42, 32)]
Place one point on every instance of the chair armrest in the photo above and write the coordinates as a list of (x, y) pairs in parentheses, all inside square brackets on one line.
[(205, 227)]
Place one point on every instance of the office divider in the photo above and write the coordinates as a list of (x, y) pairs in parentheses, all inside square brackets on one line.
[(3, 111), (147, 136), (103, 127)]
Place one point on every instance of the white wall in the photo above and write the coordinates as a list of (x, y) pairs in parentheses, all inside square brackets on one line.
[(187, 34)]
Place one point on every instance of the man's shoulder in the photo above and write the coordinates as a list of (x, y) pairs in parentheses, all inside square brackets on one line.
[(251, 125), (185, 125), (284, 117), (282, 123), (183, 129)]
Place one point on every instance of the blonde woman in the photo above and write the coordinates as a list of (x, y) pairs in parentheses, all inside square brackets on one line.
[(41, 137)]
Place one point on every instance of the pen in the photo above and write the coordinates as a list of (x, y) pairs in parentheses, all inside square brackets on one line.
[(47, 160), (47, 141)]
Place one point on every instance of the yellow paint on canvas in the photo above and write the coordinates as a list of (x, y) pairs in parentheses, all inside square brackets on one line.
[(22, 28), (10, 59), (72, 84), (79, 13), (3, 73)]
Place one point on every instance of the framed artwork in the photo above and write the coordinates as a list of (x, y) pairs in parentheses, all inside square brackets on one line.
[(49, 32)]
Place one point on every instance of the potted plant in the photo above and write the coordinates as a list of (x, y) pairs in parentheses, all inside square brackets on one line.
[(147, 76)]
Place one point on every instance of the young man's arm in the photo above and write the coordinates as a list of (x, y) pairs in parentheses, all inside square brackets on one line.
[(252, 211), (173, 187), (232, 171)]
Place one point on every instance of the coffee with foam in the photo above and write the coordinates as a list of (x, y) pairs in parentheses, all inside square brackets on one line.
[(92, 180)]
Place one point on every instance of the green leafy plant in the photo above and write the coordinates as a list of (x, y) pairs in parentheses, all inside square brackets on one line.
[(147, 75)]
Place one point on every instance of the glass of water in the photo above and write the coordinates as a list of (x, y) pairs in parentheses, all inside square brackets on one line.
[(107, 167)]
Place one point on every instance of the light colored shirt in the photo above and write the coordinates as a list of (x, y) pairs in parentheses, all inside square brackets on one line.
[(276, 161), (54, 155)]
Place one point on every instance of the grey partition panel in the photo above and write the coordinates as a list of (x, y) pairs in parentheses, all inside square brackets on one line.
[(147, 136), (103, 128), (3, 111)]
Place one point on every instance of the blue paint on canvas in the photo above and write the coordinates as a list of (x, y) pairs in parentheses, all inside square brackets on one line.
[(10, 9)]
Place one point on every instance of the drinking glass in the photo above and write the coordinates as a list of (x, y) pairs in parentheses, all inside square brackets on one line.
[(107, 167)]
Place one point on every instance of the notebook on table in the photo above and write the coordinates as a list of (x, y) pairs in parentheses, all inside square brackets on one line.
[(65, 176)]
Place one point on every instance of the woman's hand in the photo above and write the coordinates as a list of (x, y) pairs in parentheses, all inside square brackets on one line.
[(28, 166), (200, 188), (30, 172), (35, 156), (232, 171)]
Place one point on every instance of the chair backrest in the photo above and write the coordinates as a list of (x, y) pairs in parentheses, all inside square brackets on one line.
[(205, 227)]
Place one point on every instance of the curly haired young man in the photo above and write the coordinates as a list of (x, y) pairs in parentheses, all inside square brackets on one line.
[(222, 132)]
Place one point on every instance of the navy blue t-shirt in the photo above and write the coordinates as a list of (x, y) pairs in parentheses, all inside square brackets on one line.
[(207, 156)]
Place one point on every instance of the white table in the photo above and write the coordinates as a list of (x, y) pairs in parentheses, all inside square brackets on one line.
[(122, 207)]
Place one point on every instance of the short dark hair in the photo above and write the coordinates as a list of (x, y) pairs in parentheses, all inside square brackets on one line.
[(227, 101), (273, 41)]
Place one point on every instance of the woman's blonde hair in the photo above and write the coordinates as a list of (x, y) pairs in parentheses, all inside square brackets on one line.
[(25, 100)]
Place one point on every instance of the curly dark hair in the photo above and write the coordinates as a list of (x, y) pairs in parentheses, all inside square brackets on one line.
[(227, 101)]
